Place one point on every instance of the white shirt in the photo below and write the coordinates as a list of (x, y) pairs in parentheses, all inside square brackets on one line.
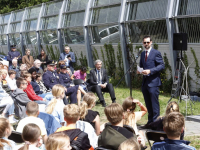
[(34, 120), (11, 83), (148, 51)]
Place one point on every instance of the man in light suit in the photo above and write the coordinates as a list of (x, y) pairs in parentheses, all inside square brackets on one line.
[(152, 63), (68, 57), (99, 83)]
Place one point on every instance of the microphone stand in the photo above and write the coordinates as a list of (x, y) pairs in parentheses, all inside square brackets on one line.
[(130, 72)]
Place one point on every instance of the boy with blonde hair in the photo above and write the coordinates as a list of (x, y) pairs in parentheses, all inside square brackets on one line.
[(173, 125), (78, 138)]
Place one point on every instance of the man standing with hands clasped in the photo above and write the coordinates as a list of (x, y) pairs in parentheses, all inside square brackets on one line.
[(152, 63)]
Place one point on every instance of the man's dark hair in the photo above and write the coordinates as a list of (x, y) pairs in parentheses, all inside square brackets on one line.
[(147, 36), (83, 69), (19, 81), (38, 75), (10, 72)]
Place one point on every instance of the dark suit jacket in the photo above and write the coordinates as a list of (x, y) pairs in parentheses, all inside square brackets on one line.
[(93, 76), (12, 55), (62, 57), (155, 64), (28, 62)]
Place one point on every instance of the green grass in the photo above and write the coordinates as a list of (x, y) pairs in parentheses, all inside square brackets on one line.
[(122, 93)]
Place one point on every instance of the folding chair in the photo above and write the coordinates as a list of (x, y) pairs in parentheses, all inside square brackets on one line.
[(156, 136), (16, 137), (79, 82)]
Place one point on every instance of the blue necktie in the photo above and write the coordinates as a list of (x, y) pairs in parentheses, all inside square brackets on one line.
[(98, 76)]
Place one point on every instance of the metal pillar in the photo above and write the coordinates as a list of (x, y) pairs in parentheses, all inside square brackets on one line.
[(87, 37), (60, 41), (8, 29), (21, 30), (123, 40), (38, 27)]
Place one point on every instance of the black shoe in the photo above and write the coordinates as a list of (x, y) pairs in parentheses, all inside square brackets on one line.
[(103, 104), (114, 101), (146, 126)]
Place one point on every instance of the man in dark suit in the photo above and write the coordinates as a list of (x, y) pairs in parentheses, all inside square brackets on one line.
[(99, 83), (68, 57), (152, 63), (13, 54)]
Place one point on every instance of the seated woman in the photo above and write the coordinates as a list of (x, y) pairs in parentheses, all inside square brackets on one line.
[(22, 68), (48, 95), (55, 107), (38, 79), (28, 59), (81, 74)]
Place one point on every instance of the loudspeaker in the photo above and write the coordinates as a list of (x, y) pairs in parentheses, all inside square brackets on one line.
[(180, 41)]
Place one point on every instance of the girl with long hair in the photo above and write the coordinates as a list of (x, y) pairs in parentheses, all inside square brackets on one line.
[(5, 132), (58, 141), (56, 105), (32, 138), (131, 117)]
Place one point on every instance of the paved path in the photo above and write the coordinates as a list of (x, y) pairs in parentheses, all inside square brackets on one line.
[(192, 128)]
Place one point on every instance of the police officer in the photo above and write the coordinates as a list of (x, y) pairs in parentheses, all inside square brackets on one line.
[(64, 76), (51, 78), (13, 54)]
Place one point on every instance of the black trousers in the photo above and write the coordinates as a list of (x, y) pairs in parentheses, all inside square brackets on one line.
[(97, 89)]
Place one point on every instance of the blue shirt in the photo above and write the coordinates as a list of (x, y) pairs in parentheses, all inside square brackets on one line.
[(6, 146), (172, 145)]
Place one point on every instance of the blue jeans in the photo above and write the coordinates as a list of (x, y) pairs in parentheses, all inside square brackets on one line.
[(48, 96), (42, 102)]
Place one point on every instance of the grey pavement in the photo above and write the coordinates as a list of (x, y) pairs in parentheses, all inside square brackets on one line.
[(192, 128)]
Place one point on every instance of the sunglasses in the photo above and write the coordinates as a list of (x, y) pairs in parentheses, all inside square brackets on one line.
[(146, 42)]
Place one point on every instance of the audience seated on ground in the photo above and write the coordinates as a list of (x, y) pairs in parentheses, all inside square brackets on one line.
[(55, 107), (87, 114), (32, 111), (77, 137), (31, 135), (81, 74), (5, 67), (113, 135), (28, 59), (14, 66), (158, 124), (131, 117), (5, 132), (173, 125), (48, 96), (129, 144), (6, 101), (20, 98), (58, 141), (11, 80), (36, 65), (31, 93)]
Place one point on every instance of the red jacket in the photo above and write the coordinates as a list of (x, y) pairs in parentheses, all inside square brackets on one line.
[(31, 93)]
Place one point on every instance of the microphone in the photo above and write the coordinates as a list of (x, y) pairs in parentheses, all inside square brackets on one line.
[(140, 50)]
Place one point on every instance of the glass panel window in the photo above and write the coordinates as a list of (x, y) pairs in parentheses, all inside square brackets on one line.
[(105, 2), (105, 15), (14, 39), (74, 5), (30, 25), (3, 29), (17, 16), (74, 35), (3, 39), (15, 27), (105, 34), (49, 37), (73, 19), (33, 12), (5, 18), (191, 27), (189, 7), (148, 9), (53, 8), (156, 29), (50, 23), (30, 38)]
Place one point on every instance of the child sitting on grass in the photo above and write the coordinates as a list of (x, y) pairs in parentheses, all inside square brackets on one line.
[(173, 125), (91, 116), (77, 137)]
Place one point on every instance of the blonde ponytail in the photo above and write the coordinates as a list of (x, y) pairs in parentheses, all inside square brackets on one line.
[(83, 110), (51, 106)]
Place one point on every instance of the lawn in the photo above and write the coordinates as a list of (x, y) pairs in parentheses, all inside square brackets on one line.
[(122, 93)]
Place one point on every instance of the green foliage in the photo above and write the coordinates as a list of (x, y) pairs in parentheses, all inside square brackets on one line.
[(155, 46), (83, 60), (95, 54), (35, 52), (104, 60), (54, 55), (196, 69)]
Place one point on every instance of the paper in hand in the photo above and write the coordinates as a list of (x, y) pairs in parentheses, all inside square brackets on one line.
[(139, 69)]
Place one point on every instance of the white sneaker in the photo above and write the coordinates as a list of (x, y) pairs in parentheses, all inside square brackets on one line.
[(12, 119)]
